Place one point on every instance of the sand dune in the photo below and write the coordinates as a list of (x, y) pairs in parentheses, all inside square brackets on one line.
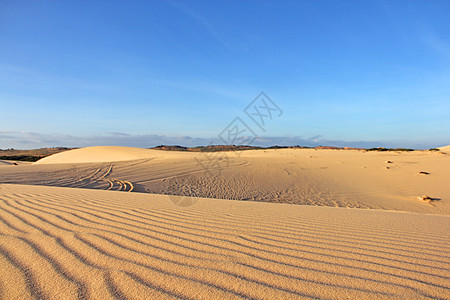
[(68, 230), (445, 148), (97, 154), (72, 243), (339, 178)]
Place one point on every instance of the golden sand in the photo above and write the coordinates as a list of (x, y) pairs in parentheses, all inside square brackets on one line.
[(81, 242)]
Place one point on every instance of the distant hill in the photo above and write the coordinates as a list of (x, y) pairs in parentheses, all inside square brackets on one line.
[(36, 154), (30, 155), (213, 148)]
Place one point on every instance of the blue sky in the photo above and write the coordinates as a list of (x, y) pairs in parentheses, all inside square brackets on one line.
[(140, 73)]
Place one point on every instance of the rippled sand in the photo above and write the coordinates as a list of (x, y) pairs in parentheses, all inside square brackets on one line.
[(338, 178), (72, 243), (79, 231)]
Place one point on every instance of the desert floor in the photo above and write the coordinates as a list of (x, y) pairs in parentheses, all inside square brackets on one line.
[(71, 228)]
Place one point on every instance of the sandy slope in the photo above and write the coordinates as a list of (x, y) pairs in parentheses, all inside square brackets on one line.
[(97, 154), (102, 154), (79, 243), (4, 163), (301, 176), (445, 148)]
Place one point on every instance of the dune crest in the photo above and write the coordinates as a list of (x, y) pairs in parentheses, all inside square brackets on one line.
[(445, 148), (98, 154), (343, 178)]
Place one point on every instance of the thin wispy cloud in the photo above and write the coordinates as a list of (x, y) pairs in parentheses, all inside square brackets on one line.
[(437, 43), (37, 79), (235, 91), (212, 31), (32, 140)]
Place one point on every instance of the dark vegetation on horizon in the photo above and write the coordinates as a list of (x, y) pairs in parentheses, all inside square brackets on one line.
[(30, 158), (36, 154), (213, 148), (29, 155), (391, 149)]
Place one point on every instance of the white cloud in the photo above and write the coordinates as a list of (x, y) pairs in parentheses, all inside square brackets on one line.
[(32, 140)]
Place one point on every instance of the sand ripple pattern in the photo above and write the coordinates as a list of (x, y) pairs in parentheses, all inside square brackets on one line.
[(352, 179), (59, 243)]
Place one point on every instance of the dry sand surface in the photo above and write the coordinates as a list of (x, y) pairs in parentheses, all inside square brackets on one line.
[(67, 230), (342, 178), (72, 243), (4, 163), (445, 148), (97, 154)]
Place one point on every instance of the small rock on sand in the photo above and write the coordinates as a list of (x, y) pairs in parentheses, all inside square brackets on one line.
[(425, 198), (423, 173)]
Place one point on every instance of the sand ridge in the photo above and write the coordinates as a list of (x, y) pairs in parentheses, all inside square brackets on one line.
[(97, 154), (72, 243), (445, 149), (102, 154), (335, 178)]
